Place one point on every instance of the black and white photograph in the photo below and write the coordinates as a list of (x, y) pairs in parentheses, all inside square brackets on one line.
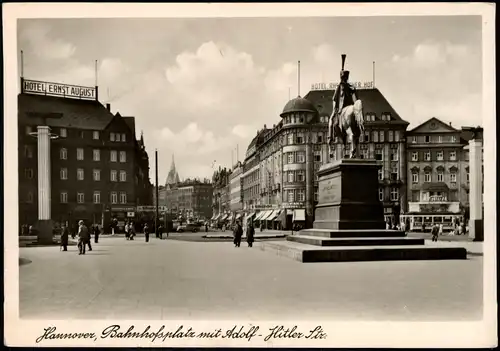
[(250, 175)]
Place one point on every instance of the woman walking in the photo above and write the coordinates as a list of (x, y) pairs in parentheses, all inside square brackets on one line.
[(146, 232), (64, 237)]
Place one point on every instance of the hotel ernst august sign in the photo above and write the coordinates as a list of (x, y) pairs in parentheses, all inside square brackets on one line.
[(57, 89)]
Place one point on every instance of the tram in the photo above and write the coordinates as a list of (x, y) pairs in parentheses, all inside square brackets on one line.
[(420, 221)]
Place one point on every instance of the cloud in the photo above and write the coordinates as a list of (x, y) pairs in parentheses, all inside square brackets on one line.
[(37, 36)]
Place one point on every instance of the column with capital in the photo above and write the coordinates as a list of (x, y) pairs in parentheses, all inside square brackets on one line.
[(475, 194)]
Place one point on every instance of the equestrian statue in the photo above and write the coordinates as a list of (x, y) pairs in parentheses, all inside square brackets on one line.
[(347, 113)]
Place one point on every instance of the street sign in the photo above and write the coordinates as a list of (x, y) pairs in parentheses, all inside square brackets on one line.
[(151, 208)]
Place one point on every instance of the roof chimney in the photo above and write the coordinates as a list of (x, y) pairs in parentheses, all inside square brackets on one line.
[(450, 124), (264, 126), (108, 107)]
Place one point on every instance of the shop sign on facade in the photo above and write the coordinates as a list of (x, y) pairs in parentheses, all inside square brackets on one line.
[(436, 198), (292, 205), (266, 207), (333, 86), (130, 214), (57, 89), (122, 209), (151, 208)]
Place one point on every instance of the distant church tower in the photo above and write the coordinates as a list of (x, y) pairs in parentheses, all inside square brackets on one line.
[(173, 176)]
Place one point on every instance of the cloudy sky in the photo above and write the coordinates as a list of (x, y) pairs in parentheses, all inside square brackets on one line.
[(200, 87)]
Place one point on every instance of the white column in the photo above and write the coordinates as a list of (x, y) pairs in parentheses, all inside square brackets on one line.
[(475, 179), (43, 136)]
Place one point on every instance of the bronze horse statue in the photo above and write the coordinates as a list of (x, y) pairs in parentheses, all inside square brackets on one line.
[(347, 114)]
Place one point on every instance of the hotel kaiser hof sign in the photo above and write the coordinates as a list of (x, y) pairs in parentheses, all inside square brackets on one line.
[(57, 89), (333, 86)]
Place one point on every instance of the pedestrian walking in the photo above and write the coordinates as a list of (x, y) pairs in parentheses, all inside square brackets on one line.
[(435, 232), (237, 233), (83, 237), (146, 232), (97, 231), (126, 231), (64, 237), (132, 230), (250, 234), (159, 232), (440, 232)]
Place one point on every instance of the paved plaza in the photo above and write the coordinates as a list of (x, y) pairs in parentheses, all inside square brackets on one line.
[(172, 279)]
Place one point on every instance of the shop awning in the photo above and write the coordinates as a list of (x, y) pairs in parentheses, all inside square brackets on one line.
[(266, 215), (217, 217), (299, 215), (238, 216), (273, 215), (213, 217), (259, 215), (224, 217), (230, 218), (250, 215)]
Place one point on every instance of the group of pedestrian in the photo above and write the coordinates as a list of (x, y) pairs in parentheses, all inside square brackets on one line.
[(129, 231), (437, 229), (238, 234)]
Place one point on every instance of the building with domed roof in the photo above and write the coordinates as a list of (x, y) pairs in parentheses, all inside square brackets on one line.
[(280, 183)]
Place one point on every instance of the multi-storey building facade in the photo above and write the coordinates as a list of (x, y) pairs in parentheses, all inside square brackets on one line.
[(235, 190), (221, 197), (437, 173), (383, 140), (192, 199), (98, 171)]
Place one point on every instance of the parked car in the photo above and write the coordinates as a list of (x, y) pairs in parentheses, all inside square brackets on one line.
[(190, 227)]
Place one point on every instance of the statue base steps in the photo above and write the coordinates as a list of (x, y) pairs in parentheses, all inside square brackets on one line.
[(349, 223)]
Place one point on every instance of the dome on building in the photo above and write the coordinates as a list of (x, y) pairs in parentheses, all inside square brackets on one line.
[(298, 104)]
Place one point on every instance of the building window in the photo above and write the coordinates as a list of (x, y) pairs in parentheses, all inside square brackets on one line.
[(82, 134), (394, 194), (123, 156), (467, 177), (440, 156), (79, 154), (300, 176), (440, 138), (414, 139), (427, 156), (117, 136), (414, 156), (440, 176), (123, 197), (291, 197), (319, 139), (97, 155), (113, 176), (29, 130), (453, 177), (63, 133), (95, 135), (427, 138), (427, 177), (97, 197), (300, 138), (379, 155), (365, 154), (316, 193), (28, 151), (114, 197), (301, 195), (290, 139), (80, 198), (391, 136), (301, 157), (123, 137), (453, 139), (111, 136), (79, 174), (367, 136), (113, 155), (394, 173), (291, 177), (28, 173), (380, 173), (63, 154), (394, 155), (123, 176), (97, 175), (396, 135), (382, 136), (63, 197), (414, 178), (317, 156), (375, 136), (453, 155), (64, 173), (381, 194)]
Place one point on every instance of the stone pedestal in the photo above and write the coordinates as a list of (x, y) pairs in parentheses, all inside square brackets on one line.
[(348, 196)]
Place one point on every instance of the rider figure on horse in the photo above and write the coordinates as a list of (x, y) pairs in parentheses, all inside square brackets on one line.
[(345, 96)]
